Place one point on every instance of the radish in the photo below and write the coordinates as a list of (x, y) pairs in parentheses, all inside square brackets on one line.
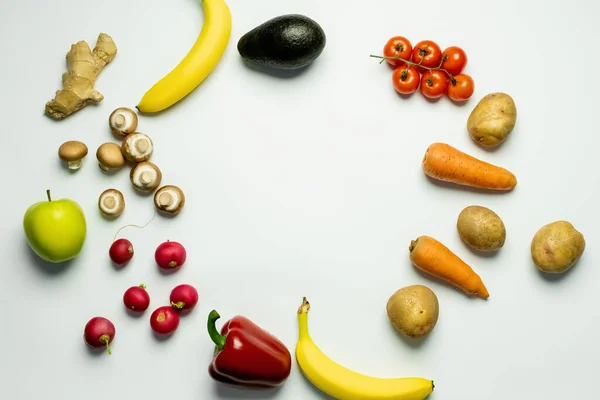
[(99, 332), (164, 320), (121, 251), (170, 255), (136, 298), (184, 297)]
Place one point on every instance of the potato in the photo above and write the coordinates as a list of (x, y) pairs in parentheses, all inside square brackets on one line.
[(556, 247), (481, 228), (492, 120), (413, 310)]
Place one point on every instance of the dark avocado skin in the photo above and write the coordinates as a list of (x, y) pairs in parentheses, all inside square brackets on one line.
[(285, 42)]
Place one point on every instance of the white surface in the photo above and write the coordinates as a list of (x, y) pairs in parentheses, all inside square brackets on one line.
[(307, 186)]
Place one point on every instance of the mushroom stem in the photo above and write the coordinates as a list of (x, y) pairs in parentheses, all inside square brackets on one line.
[(165, 199), (102, 167), (74, 164), (119, 120)]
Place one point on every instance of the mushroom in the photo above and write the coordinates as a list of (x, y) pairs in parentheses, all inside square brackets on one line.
[(73, 152), (169, 199), (137, 147), (145, 177), (109, 156), (123, 121), (111, 203)]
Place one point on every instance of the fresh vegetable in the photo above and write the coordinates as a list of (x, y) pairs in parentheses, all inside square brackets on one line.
[(397, 46), (170, 255), (405, 79), (481, 228), (145, 177), (197, 65), (111, 203), (427, 53), (434, 84), (461, 88), (83, 67), (136, 298), (55, 229), (164, 320), (137, 147), (446, 163), (556, 247), (98, 333), (454, 60), (73, 152), (169, 200), (340, 382), (413, 310), (492, 120), (123, 121), (247, 355), (431, 256), (110, 158), (286, 42), (121, 251), (184, 297)]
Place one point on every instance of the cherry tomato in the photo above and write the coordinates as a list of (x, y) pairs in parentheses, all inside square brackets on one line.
[(406, 79), (427, 53), (398, 46), (454, 60), (434, 84), (461, 88)]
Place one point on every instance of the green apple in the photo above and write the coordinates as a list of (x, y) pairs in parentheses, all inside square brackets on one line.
[(55, 229)]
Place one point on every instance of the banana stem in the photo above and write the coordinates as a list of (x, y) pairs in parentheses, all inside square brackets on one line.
[(303, 318)]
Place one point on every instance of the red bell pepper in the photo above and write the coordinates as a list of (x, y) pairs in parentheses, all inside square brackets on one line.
[(246, 355)]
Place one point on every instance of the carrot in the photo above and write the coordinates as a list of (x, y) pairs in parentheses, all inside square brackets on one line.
[(431, 256), (445, 163)]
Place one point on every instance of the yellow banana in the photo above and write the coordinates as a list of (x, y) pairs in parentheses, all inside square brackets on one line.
[(344, 384), (199, 62)]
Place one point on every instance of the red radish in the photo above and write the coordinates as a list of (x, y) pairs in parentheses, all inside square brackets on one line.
[(184, 297), (170, 255), (99, 332), (136, 298), (121, 251), (164, 320)]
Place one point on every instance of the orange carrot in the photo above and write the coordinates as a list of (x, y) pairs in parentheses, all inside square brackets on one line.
[(431, 256), (445, 163)]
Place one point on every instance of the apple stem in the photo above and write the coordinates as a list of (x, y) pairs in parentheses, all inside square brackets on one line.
[(48, 194)]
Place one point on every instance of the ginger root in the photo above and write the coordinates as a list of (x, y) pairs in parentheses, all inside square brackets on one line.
[(83, 67)]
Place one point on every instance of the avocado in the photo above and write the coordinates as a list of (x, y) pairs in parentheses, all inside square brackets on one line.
[(286, 42)]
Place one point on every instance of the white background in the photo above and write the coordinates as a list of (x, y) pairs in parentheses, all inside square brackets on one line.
[(306, 185)]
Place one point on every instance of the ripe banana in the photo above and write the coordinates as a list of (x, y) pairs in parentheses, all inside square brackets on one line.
[(344, 384), (199, 62)]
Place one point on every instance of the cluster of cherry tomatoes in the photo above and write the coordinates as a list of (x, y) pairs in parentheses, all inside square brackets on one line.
[(427, 67)]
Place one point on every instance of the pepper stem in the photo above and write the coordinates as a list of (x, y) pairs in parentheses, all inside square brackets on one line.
[(213, 332)]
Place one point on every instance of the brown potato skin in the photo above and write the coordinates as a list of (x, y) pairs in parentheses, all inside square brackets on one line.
[(413, 310), (481, 228), (492, 120), (556, 247)]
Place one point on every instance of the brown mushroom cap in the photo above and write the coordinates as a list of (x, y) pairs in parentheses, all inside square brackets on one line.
[(169, 199), (109, 156), (111, 203), (123, 121), (72, 150), (137, 147), (145, 176)]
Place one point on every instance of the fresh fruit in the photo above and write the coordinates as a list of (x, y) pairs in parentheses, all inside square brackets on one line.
[(434, 84), (184, 297), (286, 42), (170, 255), (481, 228), (121, 251), (342, 383), (55, 229), (454, 60), (431, 256), (556, 247), (413, 310), (461, 87), (198, 63), (427, 53), (164, 320), (136, 298), (398, 46), (405, 79), (446, 163), (492, 120), (98, 333)]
